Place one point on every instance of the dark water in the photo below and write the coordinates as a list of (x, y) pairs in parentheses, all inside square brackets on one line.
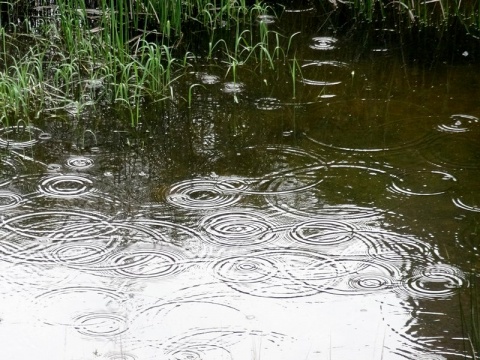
[(339, 224)]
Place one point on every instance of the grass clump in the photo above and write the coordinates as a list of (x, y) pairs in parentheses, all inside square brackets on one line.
[(66, 56), (412, 13), (82, 53)]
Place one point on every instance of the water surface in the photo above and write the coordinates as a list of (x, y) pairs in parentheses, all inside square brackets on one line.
[(339, 222)]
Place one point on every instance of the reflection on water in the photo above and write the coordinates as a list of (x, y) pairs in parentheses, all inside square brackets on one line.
[(372, 124), (344, 221), (20, 136)]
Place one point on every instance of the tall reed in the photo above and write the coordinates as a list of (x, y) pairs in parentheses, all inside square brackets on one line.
[(434, 13)]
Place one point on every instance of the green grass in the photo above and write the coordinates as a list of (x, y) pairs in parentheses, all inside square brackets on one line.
[(408, 13), (127, 53), (74, 60)]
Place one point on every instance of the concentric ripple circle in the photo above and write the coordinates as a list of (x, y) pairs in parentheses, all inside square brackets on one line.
[(100, 324), (66, 186), (233, 87), (59, 225), (79, 162), (63, 306), (311, 204), (54, 168), (19, 136), (238, 228), (454, 150), (159, 233), (371, 282), (245, 269), (266, 19), (145, 263), (268, 103), (9, 200), (470, 202), (290, 181), (17, 250), (205, 193), (459, 123), (322, 232), (392, 247), (207, 79), (323, 43), (366, 276), (324, 73), (424, 183), (44, 136), (200, 351), (80, 255), (354, 188), (434, 281), (279, 273), (187, 355)]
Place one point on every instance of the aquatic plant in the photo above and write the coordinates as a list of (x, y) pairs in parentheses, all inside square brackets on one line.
[(294, 67), (119, 52), (190, 92), (73, 54), (404, 13)]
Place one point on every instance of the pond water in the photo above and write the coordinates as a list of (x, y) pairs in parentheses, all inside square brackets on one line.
[(334, 217)]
